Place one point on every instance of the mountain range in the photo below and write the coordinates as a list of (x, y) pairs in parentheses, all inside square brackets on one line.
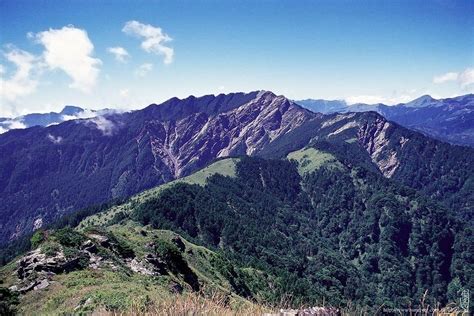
[(336, 207), (51, 171), (450, 120)]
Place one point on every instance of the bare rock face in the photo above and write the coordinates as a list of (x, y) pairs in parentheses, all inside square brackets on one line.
[(373, 133), (180, 146), (35, 269), (374, 138), (35, 261), (139, 267), (150, 265)]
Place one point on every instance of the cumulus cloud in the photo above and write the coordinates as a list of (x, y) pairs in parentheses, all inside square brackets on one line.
[(154, 39), (55, 140), (21, 82), (70, 50), (143, 70), (120, 53), (464, 78), (449, 76)]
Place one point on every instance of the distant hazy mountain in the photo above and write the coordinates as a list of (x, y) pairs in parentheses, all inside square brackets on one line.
[(45, 119), (324, 106), (450, 119)]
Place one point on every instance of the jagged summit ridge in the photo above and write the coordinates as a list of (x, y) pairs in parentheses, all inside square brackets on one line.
[(216, 126), (124, 153)]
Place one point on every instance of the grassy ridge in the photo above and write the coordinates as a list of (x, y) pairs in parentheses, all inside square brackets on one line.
[(310, 159), (225, 167)]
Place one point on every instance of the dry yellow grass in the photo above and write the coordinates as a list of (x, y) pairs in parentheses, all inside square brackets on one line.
[(195, 304)]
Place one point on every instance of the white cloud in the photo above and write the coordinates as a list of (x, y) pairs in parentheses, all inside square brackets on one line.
[(70, 50), (16, 124), (449, 76), (120, 53), (153, 39), (80, 115), (107, 127), (464, 78), (20, 83), (11, 124), (55, 140), (143, 70), (124, 93)]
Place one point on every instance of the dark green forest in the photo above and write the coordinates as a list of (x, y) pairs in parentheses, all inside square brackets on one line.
[(333, 235)]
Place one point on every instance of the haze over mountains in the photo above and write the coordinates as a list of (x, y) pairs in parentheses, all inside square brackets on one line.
[(450, 119), (69, 112)]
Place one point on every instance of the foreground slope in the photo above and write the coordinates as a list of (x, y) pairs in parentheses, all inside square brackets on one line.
[(125, 268)]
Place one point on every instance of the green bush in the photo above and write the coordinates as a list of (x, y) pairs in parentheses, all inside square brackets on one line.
[(119, 217), (168, 251), (38, 237), (73, 253), (8, 302), (50, 248), (69, 237), (121, 246)]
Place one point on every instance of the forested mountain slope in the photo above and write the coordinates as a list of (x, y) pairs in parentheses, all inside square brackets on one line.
[(314, 228), (439, 170), (49, 172)]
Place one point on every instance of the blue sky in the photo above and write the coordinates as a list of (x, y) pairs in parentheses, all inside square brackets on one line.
[(58, 52)]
